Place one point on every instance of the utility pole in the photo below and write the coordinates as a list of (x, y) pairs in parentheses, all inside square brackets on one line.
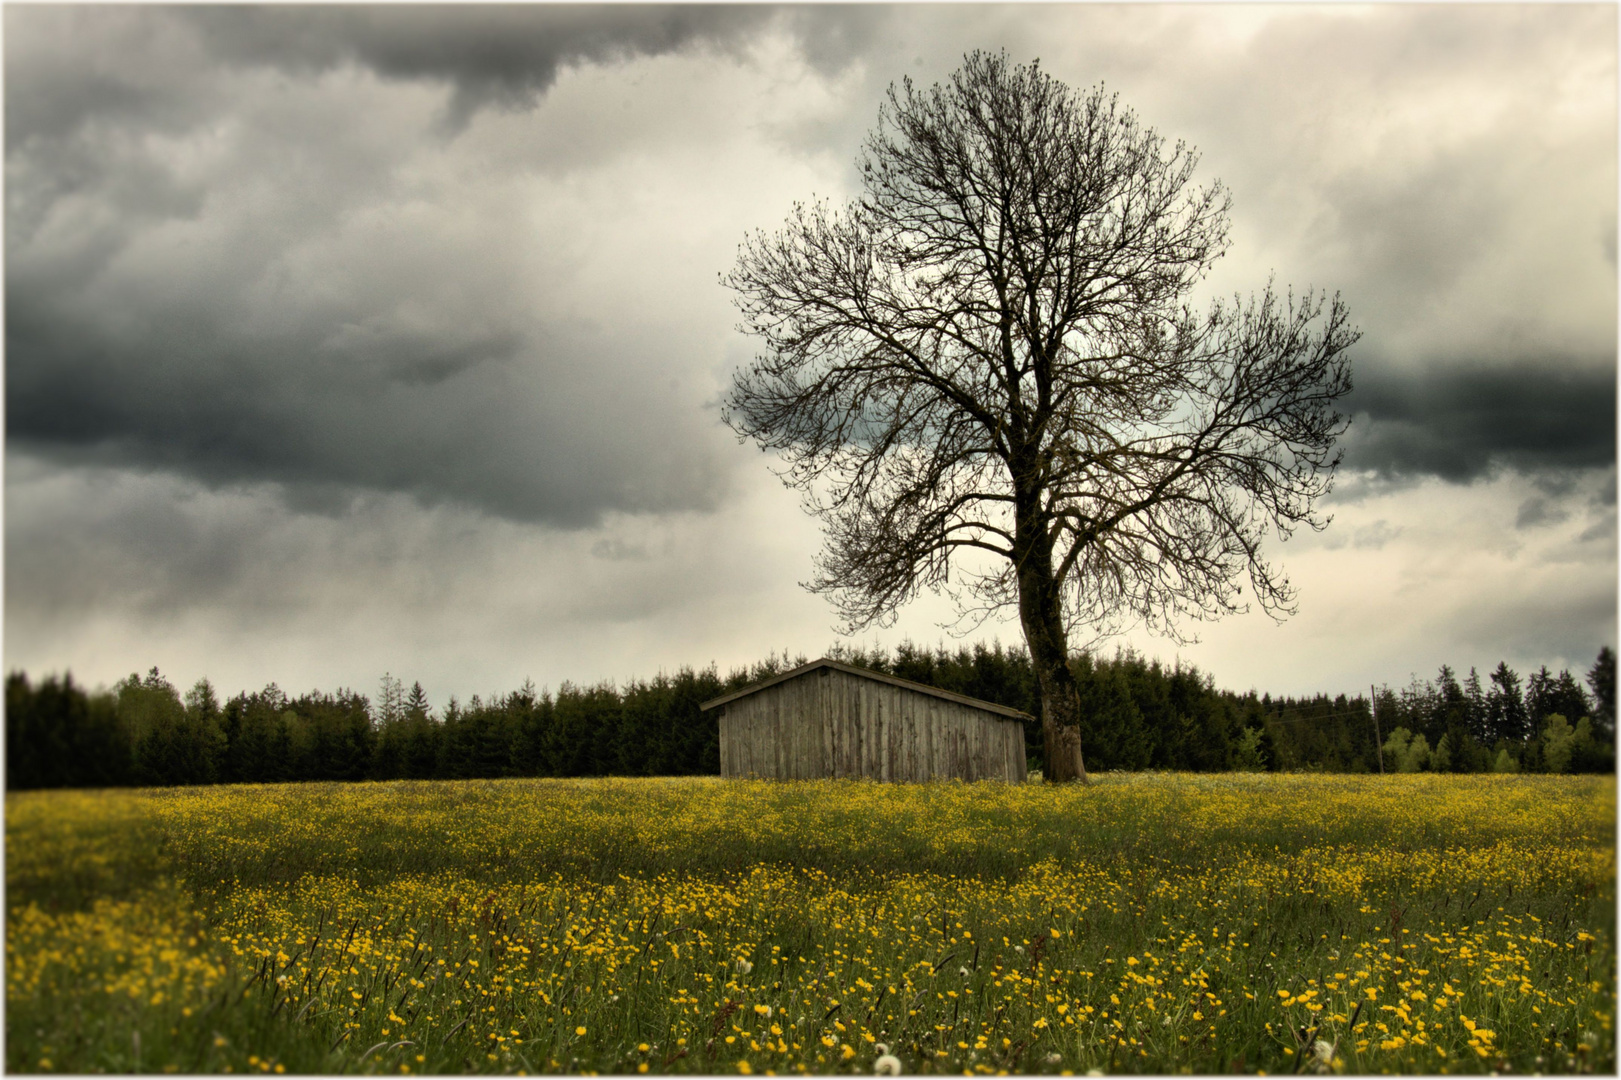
[(1378, 740)]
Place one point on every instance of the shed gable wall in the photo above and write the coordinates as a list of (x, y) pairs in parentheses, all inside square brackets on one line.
[(829, 723)]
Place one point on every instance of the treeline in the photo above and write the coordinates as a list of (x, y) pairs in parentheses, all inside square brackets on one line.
[(1139, 714), (145, 733), (1545, 723)]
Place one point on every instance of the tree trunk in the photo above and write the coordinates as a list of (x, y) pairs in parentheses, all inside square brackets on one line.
[(1060, 716), (1041, 613)]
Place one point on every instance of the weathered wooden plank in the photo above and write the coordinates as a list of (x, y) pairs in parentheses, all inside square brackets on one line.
[(829, 722)]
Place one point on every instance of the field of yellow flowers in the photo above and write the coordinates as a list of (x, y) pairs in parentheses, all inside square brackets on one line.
[(1148, 923)]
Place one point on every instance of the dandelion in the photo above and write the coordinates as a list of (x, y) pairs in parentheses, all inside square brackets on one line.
[(887, 1064)]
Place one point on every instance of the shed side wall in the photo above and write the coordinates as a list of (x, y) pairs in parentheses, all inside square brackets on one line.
[(831, 723)]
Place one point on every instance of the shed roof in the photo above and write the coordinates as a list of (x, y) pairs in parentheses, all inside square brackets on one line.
[(876, 676)]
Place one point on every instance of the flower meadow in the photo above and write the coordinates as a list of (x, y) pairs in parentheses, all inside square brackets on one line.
[(1154, 923)]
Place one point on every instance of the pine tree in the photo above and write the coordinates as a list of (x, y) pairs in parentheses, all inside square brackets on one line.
[(390, 701), (1541, 689), (1569, 699), (1505, 705), (1475, 702), (1601, 677), (417, 703)]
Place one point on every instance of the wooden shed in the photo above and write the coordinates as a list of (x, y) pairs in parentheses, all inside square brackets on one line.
[(827, 719)]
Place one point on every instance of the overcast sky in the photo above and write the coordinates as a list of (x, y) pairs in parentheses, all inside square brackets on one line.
[(360, 339)]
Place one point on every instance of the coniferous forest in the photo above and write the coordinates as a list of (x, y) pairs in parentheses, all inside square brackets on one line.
[(1137, 714)]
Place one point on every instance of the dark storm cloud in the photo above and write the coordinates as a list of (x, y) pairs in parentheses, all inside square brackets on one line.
[(1462, 423), (505, 55), (243, 276), (467, 418), (218, 261)]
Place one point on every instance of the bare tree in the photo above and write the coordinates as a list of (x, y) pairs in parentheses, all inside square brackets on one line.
[(989, 362)]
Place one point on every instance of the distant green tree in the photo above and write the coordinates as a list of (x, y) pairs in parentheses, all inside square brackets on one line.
[(171, 745), (416, 703), (390, 700), (1558, 738), (1589, 754), (1568, 698), (1451, 711), (1441, 756), (1475, 702), (585, 722), (1406, 752), (478, 741), (1246, 752), (1111, 723), (1505, 705), (261, 747), (57, 735), (331, 735), (1540, 689), (1601, 677), (531, 714), (422, 744)]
